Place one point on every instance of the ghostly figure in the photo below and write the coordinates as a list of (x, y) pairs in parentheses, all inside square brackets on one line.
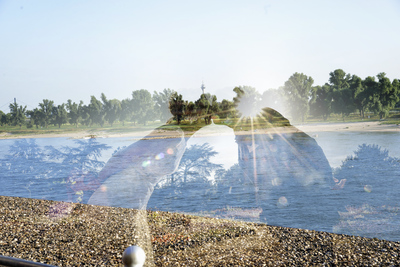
[(284, 167), (131, 173)]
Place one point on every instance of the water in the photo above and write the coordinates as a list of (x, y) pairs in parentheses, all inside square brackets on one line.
[(269, 180)]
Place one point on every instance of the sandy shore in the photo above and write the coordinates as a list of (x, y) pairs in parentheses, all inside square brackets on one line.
[(374, 126), (70, 234), (307, 128)]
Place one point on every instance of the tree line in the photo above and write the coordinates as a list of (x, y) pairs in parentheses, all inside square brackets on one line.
[(343, 94)]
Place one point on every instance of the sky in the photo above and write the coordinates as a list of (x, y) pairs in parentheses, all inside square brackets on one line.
[(60, 50)]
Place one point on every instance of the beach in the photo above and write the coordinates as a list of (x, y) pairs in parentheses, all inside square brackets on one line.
[(72, 234)]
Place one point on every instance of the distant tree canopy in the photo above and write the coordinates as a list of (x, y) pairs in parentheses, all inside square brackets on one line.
[(17, 114), (161, 104), (247, 101), (297, 90), (343, 94)]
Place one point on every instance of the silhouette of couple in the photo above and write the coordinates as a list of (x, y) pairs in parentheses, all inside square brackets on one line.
[(276, 157)]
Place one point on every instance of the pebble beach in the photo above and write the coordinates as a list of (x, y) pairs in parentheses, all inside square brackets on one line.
[(72, 234)]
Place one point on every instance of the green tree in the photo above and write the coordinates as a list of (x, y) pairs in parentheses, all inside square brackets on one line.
[(46, 107), (178, 107), (297, 91), (360, 95), (342, 95), (207, 106), (388, 94), (18, 116), (247, 101), (396, 87), (112, 109), (191, 111), (126, 110), (142, 106), (60, 115), (272, 98), (6, 119), (320, 102), (161, 104), (35, 117), (95, 111), (346, 102), (85, 115), (339, 79), (74, 112), (383, 95), (227, 109)]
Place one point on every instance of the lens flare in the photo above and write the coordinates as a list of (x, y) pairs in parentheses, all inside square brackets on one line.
[(103, 188), (368, 188), (160, 156), (282, 202), (276, 182), (146, 163), (170, 151)]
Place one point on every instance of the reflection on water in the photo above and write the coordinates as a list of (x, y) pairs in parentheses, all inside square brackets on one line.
[(46, 172), (278, 178)]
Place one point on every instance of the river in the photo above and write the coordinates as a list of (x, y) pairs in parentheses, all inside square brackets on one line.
[(357, 194)]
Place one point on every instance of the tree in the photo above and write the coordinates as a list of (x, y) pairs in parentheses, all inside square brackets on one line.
[(383, 95), (112, 109), (347, 98), (380, 164), (247, 101), (177, 106), (17, 114), (388, 94), (23, 158), (272, 98), (126, 110), (396, 87), (227, 109), (36, 117), (370, 87), (142, 106), (74, 112), (192, 182), (320, 102), (196, 164), (85, 115), (60, 115), (2, 114), (342, 95), (46, 108), (161, 105), (190, 111), (297, 91), (6, 119), (95, 110), (339, 79), (360, 94), (207, 105)]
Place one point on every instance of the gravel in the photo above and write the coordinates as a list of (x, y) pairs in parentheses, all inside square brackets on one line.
[(71, 234)]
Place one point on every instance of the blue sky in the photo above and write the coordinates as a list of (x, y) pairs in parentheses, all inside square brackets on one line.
[(62, 50)]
